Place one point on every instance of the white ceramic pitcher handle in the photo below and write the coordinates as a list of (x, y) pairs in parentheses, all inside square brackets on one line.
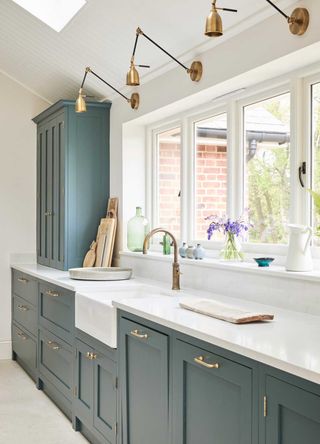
[(308, 229)]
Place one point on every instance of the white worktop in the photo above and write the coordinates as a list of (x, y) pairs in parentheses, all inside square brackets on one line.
[(289, 343), (58, 277)]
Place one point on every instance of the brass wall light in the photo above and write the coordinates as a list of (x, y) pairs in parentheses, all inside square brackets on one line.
[(214, 27), (133, 78), (80, 106), (298, 21), (195, 70)]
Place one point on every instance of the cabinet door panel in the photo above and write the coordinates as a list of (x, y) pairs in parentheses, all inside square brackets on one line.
[(56, 311), (57, 131), (293, 415), (144, 384), (213, 398), (44, 194), (105, 397), (84, 382)]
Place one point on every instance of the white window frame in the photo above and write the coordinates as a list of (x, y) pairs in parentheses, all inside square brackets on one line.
[(298, 85)]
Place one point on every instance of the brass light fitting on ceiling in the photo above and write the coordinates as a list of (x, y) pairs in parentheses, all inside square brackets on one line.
[(298, 21), (214, 27), (195, 70), (81, 107)]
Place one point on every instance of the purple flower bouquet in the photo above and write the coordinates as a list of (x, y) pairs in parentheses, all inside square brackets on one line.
[(233, 229)]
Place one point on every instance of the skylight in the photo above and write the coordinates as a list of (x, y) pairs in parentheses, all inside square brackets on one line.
[(54, 13)]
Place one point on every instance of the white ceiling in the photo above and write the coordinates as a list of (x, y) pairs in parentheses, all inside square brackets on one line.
[(101, 35)]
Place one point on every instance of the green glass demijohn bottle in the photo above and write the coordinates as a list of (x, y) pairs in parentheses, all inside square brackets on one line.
[(138, 228)]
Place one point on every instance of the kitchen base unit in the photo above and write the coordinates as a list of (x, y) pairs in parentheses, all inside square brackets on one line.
[(175, 389)]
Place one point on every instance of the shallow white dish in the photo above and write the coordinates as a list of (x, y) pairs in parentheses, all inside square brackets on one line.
[(100, 273)]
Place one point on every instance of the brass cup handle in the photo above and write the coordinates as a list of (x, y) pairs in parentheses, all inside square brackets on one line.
[(48, 213), (91, 356), (139, 335), (23, 280), (51, 293), (22, 307), (22, 336), (53, 345), (200, 360)]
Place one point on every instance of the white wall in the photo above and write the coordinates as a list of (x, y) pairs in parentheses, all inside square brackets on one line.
[(261, 52), (17, 188)]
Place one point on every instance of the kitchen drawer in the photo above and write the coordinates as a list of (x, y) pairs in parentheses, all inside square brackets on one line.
[(56, 311), (25, 314), (25, 287), (55, 362), (25, 349)]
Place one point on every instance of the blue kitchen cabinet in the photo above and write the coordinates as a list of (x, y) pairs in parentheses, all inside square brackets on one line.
[(144, 381), (213, 399), (292, 412), (72, 181), (25, 321), (95, 400)]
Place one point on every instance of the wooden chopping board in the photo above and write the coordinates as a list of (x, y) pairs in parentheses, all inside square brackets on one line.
[(105, 242)]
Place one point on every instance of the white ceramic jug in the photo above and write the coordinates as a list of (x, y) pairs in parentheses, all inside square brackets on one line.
[(299, 252)]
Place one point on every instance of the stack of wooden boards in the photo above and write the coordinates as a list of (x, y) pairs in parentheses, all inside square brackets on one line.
[(101, 250)]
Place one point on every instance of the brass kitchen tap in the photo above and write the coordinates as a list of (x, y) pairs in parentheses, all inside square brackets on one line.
[(175, 266)]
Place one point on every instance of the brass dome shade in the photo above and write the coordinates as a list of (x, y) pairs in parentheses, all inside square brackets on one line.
[(133, 78), (80, 106), (214, 26)]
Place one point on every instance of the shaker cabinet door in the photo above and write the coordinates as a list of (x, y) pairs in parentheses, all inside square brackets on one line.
[(50, 186), (144, 384), (293, 414), (212, 398)]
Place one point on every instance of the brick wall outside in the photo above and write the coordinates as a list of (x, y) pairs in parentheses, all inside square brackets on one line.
[(211, 185)]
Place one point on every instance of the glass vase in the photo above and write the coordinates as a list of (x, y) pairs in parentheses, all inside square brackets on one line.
[(138, 228), (232, 249)]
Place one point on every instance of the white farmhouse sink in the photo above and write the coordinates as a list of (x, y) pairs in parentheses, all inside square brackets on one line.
[(96, 316)]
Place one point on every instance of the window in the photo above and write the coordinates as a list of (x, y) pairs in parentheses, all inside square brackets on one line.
[(242, 153), (210, 171), (315, 89), (267, 168), (168, 186)]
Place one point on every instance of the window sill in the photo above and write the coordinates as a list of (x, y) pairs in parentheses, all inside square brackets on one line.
[(278, 271)]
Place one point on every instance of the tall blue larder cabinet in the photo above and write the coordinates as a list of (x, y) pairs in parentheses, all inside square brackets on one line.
[(72, 180)]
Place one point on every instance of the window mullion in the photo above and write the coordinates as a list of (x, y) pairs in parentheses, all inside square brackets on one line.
[(186, 185), (235, 160), (298, 154)]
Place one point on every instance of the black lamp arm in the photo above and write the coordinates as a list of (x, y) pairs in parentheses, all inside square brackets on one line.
[(84, 77), (140, 32), (104, 81), (278, 9), (222, 9)]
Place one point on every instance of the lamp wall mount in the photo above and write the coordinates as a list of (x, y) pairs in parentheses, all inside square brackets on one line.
[(298, 21)]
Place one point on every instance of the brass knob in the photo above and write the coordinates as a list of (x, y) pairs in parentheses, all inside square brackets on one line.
[(91, 356)]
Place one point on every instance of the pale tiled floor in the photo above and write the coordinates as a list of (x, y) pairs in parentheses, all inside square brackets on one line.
[(27, 416)]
